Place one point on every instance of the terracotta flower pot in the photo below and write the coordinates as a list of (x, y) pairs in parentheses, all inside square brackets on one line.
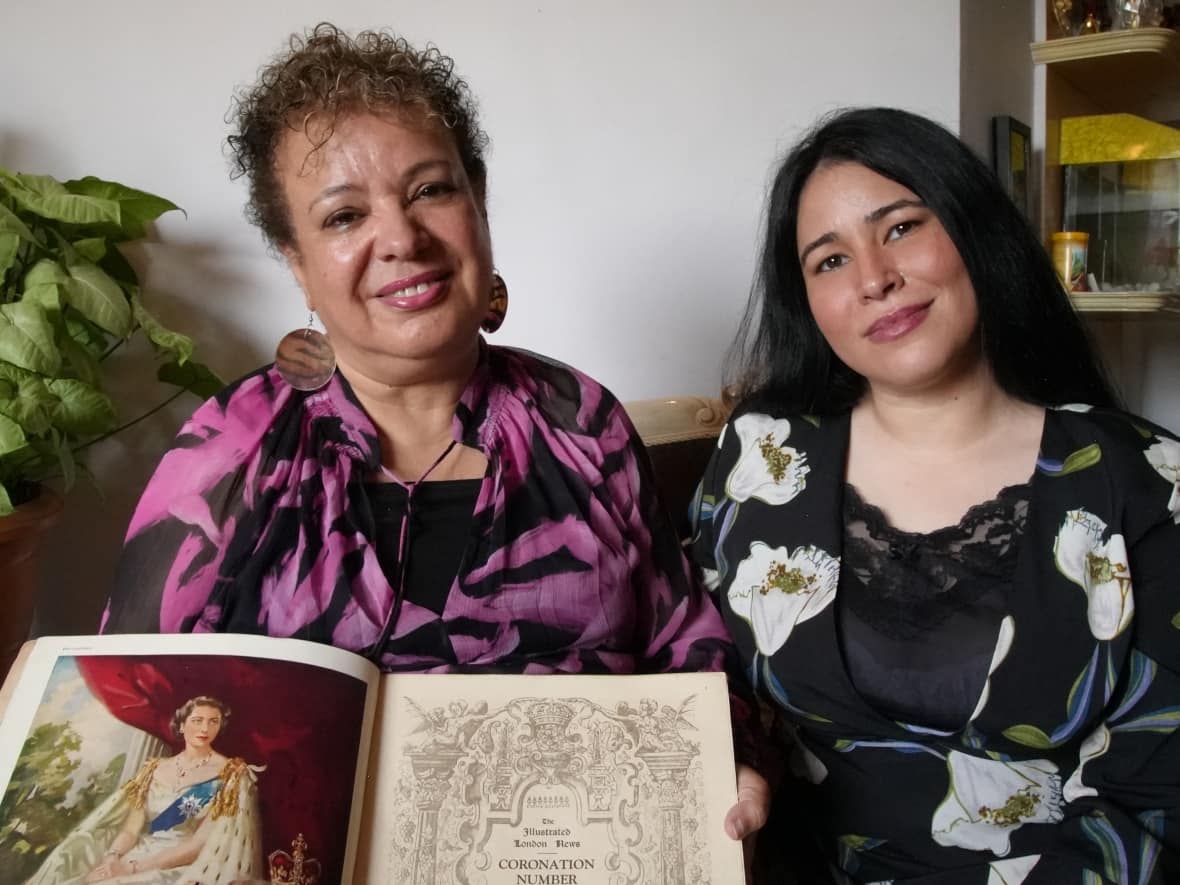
[(20, 534)]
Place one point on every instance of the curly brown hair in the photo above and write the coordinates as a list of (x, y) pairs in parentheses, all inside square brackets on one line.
[(325, 75), (186, 709)]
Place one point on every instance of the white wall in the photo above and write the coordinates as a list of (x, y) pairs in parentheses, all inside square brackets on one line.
[(996, 68), (631, 145)]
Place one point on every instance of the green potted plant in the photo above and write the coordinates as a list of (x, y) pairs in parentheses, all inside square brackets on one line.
[(68, 300)]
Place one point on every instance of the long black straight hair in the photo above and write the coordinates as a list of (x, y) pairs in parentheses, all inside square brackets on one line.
[(1032, 337)]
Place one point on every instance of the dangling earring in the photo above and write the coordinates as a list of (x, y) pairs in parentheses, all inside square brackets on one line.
[(304, 358), (497, 304)]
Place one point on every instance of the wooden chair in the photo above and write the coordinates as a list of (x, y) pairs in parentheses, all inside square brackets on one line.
[(680, 434)]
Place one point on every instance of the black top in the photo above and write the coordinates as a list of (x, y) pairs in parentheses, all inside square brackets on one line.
[(1067, 771), (438, 533), (918, 613)]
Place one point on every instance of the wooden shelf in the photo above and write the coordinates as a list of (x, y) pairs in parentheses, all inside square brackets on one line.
[(1134, 71), (1126, 302), (1162, 42), (1127, 70)]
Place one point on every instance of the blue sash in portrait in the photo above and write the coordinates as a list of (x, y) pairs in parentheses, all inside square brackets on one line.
[(187, 805)]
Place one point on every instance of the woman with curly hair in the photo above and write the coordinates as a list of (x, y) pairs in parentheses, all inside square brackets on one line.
[(399, 487)]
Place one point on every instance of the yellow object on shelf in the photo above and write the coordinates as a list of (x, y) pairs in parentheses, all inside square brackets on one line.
[(1069, 257), (1116, 138)]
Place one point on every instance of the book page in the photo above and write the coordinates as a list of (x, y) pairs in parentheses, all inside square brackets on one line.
[(551, 780), (90, 727)]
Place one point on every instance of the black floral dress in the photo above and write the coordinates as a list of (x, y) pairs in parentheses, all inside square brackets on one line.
[(1065, 767)]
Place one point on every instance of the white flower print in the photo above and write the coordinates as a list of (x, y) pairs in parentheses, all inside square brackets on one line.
[(989, 799), (1099, 568), (1095, 744), (1012, 871), (711, 578), (1003, 646), (1073, 407), (774, 590), (1164, 456), (765, 469)]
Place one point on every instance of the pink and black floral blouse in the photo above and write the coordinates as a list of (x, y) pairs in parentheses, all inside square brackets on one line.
[(256, 521)]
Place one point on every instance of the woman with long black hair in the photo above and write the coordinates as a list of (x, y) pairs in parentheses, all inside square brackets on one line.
[(949, 559)]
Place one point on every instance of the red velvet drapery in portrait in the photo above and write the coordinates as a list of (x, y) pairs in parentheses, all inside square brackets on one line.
[(302, 722)]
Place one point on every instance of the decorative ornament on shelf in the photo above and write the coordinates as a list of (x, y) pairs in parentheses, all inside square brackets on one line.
[(1077, 17), (1137, 14)]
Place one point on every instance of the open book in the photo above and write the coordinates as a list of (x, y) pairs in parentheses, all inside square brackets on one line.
[(324, 770)]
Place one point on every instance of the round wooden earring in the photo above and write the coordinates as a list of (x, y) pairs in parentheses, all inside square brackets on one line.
[(305, 359), (497, 305)]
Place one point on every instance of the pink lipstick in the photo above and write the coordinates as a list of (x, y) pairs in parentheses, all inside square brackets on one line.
[(898, 323), (414, 293)]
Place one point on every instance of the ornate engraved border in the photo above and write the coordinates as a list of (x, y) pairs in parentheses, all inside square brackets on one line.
[(539, 775)]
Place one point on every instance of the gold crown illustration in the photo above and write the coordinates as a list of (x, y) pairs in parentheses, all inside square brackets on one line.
[(550, 713), (294, 868)]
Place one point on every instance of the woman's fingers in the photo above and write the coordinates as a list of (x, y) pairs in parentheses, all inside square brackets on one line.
[(753, 804)]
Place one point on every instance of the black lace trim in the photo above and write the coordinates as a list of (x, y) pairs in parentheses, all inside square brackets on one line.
[(906, 583)]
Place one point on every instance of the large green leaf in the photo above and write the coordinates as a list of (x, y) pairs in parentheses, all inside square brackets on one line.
[(91, 248), (48, 298), (26, 400), (99, 298), (26, 338), (44, 185), (45, 271), (137, 208), (12, 437), (10, 223), (80, 409), (192, 376), (179, 346), (50, 199)]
